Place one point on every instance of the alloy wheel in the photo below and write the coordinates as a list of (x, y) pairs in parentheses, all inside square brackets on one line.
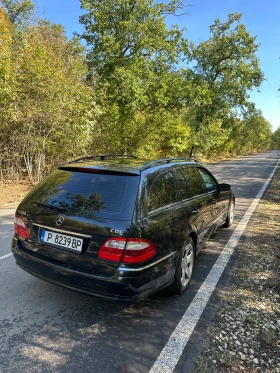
[(187, 264)]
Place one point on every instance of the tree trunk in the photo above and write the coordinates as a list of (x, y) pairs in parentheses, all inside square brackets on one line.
[(191, 151)]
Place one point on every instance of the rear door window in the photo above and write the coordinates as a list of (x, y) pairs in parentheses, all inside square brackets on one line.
[(162, 191), (194, 181), (182, 186), (89, 194)]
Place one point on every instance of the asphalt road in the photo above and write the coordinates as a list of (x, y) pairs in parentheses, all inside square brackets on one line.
[(46, 328)]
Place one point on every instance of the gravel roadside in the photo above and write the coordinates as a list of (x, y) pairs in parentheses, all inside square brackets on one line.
[(245, 336)]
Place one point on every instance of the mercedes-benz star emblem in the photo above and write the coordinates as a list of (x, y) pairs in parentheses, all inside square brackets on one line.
[(59, 220)]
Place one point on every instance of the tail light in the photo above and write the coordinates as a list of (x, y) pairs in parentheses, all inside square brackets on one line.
[(131, 250), (112, 249), (20, 227)]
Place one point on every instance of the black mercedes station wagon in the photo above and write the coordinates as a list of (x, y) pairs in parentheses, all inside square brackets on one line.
[(120, 227)]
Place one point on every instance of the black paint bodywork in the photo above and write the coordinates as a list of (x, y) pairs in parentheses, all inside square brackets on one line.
[(167, 227)]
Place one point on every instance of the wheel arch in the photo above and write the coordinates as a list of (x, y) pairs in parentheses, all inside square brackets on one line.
[(193, 236)]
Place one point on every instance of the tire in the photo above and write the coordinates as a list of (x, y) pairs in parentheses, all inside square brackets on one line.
[(184, 268), (230, 215)]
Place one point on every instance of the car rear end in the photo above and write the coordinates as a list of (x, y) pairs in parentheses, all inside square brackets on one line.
[(74, 228)]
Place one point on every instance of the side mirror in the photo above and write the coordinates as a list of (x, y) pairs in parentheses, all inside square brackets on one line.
[(224, 187)]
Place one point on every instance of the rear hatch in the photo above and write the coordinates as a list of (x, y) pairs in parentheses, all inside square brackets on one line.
[(74, 210)]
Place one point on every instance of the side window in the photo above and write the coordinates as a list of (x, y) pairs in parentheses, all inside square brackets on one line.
[(162, 191), (209, 181), (194, 181), (183, 187)]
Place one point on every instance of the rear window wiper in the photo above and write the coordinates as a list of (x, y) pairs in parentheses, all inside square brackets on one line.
[(51, 207)]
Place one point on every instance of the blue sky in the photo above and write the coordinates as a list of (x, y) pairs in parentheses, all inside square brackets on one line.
[(262, 19)]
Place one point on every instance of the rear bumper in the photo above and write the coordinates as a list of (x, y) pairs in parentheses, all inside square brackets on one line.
[(127, 284)]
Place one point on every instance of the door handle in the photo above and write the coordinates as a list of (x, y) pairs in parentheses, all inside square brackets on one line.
[(195, 210)]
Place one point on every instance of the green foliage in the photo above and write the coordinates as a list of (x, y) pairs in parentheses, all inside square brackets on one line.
[(250, 135), (124, 32), (53, 110), (228, 65), (276, 139), (6, 79), (130, 91), (225, 69), (19, 12), (134, 57)]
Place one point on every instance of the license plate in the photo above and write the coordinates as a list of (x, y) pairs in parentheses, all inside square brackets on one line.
[(62, 241)]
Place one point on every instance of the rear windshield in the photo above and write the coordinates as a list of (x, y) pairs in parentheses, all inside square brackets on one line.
[(89, 194)]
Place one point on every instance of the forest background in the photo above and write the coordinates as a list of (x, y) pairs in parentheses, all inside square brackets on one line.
[(128, 85)]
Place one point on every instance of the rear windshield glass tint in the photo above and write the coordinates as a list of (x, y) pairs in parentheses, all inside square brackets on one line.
[(88, 194)]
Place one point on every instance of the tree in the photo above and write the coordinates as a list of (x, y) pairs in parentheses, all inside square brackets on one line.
[(19, 12), (51, 109), (7, 81), (252, 134), (6, 40), (133, 59), (53, 103), (275, 142), (225, 69)]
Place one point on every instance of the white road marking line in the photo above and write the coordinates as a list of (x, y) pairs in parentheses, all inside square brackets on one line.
[(172, 351), (5, 256)]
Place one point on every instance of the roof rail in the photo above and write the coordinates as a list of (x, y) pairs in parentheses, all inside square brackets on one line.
[(167, 160), (101, 157)]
